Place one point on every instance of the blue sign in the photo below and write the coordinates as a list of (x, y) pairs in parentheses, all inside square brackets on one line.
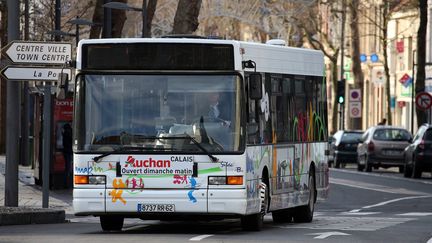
[(363, 58), (374, 58)]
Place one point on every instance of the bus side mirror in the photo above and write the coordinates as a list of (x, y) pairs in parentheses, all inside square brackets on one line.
[(255, 86)]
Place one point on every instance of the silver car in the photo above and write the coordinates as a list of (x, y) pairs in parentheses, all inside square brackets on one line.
[(383, 146)]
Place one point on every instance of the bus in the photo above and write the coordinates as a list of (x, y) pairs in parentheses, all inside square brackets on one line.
[(148, 145)]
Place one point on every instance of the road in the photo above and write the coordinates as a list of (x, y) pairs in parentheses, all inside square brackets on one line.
[(381, 206)]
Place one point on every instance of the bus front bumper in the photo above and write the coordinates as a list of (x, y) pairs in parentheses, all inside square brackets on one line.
[(130, 202)]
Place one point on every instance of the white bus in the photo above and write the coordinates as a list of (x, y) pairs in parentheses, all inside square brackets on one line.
[(168, 128)]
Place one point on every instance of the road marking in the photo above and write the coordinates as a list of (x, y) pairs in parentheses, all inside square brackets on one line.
[(429, 241), (348, 223), (356, 213), (324, 235), (387, 202), (200, 237), (374, 187), (415, 214), (383, 175), (394, 200)]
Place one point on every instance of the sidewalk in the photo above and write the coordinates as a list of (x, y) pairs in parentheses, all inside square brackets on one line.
[(29, 208)]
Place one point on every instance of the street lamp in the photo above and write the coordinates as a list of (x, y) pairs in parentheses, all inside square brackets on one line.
[(59, 33), (125, 6), (77, 22)]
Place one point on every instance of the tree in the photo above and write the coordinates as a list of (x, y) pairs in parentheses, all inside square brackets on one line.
[(151, 9), (118, 18), (95, 30), (421, 58), (186, 17), (316, 25)]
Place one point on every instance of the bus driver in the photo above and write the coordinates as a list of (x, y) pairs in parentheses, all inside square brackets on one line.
[(216, 111)]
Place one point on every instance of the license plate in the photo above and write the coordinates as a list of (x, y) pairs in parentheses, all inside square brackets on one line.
[(392, 152), (156, 208)]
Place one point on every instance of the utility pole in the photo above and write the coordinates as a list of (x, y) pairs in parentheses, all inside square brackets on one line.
[(57, 25), (106, 32), (12, 116), (144, 19), (342, 106), (24, 148)]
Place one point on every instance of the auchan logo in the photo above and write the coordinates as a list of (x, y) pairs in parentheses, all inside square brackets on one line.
[(132, 162)]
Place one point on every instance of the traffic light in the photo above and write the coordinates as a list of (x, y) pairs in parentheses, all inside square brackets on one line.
[(341, 91)]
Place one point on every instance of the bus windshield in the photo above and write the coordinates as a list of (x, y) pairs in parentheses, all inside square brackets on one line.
[(159, 112)]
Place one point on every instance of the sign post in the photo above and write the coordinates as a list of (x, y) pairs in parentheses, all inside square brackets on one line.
[(355, 105), (38, 61), (423, 101)]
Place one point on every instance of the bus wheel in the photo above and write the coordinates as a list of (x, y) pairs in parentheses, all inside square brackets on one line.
[(282, 216), (111, 223), (254, 222), (304, 214)]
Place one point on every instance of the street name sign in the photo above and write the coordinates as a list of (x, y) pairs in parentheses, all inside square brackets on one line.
[(423, 101), (49, 53), (26, 73)]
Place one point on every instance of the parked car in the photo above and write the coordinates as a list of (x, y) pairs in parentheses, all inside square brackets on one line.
[(383, 146), (343, 147), (418, 155)]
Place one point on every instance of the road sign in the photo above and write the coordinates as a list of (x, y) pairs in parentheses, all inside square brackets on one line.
[(405, 80), (355, 94), (423, 100), (25, 73), (355, 109), (53, 53)]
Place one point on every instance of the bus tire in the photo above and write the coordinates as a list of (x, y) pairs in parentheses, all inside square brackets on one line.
[(282, 216), (111, 223), (254, 222), (304, 214)]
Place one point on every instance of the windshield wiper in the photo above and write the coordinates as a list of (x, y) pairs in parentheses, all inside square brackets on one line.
[(213, 158), (187, 136), (125, 148)]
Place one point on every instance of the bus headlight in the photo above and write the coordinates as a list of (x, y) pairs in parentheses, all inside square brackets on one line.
[(90, 180), (97, 179), (225, 180), (217, 180)]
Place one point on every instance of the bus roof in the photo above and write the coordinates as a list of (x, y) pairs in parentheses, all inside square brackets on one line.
[(268, 58)]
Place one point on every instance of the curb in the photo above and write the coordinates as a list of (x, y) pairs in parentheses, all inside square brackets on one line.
[(21, 215)]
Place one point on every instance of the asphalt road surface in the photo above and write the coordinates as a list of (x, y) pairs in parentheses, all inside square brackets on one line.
[(381, 206)]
